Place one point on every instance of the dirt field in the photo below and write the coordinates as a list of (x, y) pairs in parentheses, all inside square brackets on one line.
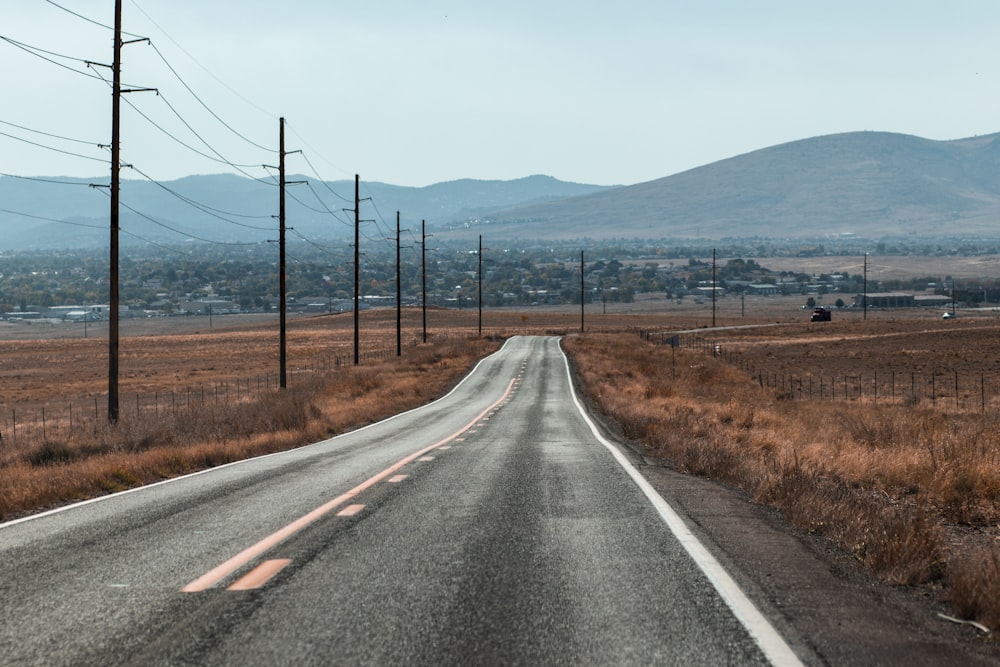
[(43, 363)]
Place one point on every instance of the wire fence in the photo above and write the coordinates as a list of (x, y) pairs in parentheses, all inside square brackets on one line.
[(953, 389), (26, 424)]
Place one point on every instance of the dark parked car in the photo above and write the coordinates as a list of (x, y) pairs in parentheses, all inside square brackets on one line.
[(820, 315)]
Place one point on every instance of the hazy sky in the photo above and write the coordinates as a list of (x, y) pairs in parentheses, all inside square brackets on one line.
[(414, 93)]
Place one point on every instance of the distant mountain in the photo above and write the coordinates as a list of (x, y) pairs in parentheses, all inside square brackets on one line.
[(865, 184), (40, 213), (869, 184)]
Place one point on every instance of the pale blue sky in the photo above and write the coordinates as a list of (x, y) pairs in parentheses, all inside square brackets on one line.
[(415, 93)]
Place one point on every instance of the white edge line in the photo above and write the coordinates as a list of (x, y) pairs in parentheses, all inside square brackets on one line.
[(117, 494), (771, 643)]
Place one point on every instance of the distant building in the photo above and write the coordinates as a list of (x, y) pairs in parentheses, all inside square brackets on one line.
[(207, 306), (886, 300), (763, 289)]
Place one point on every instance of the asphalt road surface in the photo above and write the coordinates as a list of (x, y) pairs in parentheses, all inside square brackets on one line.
[(494, 526)]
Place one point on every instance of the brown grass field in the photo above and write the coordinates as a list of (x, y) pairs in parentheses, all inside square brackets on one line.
[(908, 484)]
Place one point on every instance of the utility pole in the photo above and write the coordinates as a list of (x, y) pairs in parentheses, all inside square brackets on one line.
[(282, 302), (864, 296), (282, 305), (423, 273), (399, 298), (713, 288), (113, 297), (357, 268), (116, 93), (582, 292), (480, 285)]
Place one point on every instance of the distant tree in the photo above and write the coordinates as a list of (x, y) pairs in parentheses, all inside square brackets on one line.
[(839, 303), (811, 302)]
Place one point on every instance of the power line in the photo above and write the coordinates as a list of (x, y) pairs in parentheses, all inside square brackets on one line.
[(49, 134), (196, 62), (207, 108), (158, 245), (202, 139), (61, 222), (88, 20), (221, 159), (204, 208), (182, 233), (321, 248), (320, 155), (35, 51), (379, 214), (51, 148), (45, 180), (328, 210), (325, 184)]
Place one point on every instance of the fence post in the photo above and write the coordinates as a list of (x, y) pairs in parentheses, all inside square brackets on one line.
[(956, 390)]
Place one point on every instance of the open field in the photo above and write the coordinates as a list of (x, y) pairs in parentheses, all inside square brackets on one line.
[(54, 365), (910, 490), (891, 267), (910, 486)]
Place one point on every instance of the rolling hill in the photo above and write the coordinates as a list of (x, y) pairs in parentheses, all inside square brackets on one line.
[(64, 212), (863, 184), (869, 184)]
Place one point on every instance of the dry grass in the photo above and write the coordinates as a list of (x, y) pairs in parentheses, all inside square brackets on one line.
[(913, 494), (139, 451), (910, 491)]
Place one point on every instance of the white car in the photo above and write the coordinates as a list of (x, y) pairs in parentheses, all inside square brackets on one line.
[(948, 316)]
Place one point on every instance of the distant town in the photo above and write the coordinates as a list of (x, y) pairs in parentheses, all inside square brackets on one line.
[(209, 280)]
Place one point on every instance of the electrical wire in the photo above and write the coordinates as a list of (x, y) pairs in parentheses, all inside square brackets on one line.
[(321, 180), (51, 148), (328, 210), (48, 134), (61, 222), (385, 226), (88, 20), (45, 180), (325, 250), (310, 147), (35, 51), (207, 108), (158, 245), (195, 61), (177, 231), (220, 159), (204, 208)]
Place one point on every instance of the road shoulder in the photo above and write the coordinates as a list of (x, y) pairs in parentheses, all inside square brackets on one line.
[(813, 592)]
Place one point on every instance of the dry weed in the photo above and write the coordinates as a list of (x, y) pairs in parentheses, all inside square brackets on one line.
[(972, 584), (883, 481), (140, 450)]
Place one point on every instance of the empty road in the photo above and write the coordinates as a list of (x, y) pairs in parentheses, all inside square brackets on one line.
[(494, 526)]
